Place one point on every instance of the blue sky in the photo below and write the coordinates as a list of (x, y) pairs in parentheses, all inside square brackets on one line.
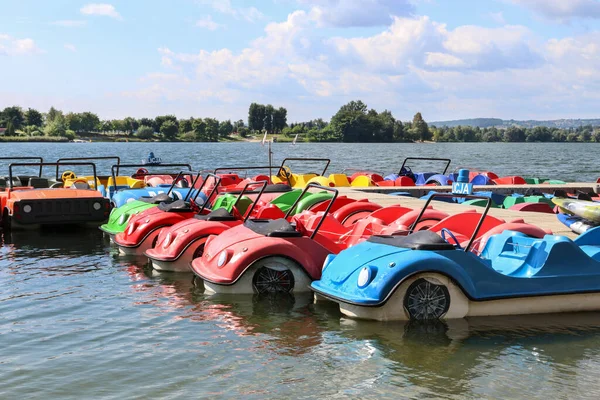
[(449, 59)]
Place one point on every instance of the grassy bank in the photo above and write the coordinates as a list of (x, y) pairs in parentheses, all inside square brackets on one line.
[(51, 139)]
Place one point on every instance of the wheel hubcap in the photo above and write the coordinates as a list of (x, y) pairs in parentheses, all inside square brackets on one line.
[(426, 300), (268, 280)]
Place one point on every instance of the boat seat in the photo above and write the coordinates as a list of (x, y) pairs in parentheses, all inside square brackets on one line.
[(177, 205), (80, 185), (273, 228), (421, 240), (159, 198), (15, 181), (38, 183), (219, 215), (278, 188)]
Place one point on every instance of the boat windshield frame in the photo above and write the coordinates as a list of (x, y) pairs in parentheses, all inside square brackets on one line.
[(454, 195)]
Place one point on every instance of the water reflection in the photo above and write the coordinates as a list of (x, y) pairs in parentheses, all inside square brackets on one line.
[(52, 251), (487, 356), (288, 321)]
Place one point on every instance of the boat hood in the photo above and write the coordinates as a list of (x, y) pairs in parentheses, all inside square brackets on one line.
[(119, 217), (367, 273)]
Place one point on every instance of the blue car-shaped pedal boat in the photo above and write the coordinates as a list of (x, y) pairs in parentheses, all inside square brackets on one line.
[(423, 276)]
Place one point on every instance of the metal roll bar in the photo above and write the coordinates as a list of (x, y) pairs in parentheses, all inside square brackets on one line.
[(447, 160), (452, 195), (87, 159), (40, 159), (43, 164), (325, 213)]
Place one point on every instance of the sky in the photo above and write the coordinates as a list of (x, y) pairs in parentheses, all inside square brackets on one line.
[(448, 59)]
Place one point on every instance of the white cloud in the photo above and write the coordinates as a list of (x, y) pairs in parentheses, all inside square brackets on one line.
[(347, 13), (102, 9), (443, 60), (563, 10), (414, 64), (250, 14), (16, 47), (70, 23), (207, 22), (70, 47)]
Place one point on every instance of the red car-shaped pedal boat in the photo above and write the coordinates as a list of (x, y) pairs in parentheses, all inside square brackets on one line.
[(266, 256)]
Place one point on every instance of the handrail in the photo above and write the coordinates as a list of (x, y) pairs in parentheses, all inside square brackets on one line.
[(448, 161), (246, 186), (40, 159), (325, 213), (213, 190), (88, 158), (44, 164), (452, 195)]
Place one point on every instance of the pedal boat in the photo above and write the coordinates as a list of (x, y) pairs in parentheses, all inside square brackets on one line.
[(514, 269), (273, 256)]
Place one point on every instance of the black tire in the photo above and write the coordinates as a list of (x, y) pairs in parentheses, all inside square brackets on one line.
[(273, 275), (199, 252), (5, 221), (426, 301)]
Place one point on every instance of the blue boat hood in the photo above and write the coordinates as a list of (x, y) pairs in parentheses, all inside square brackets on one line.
[(367, 273)]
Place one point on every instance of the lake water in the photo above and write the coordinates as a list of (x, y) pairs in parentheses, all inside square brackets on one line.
[(77, 320)]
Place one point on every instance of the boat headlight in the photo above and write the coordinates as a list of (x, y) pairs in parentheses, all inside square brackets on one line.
[(328, 260), (222, 258), (167, 240), (97, 206), (131, 228), (123, 219), (27, 209), (364, 277)]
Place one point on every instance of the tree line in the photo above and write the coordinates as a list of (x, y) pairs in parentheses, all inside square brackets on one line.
[(353, 122), (56, 123)]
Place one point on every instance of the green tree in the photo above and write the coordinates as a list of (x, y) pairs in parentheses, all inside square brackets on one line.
[(268, 118), (146, 122), (169, 129), (199, 127), (33, 117), (105, 126), (256, 117), (212, 129), (185, 126), (131, 125), (145, 132), (10, 129), (279, 119), (420, 128), (56, 127), (73, 122), (53, 114), (514, 134), (158, 121), (225, 128), (14, 115), (350, 123)]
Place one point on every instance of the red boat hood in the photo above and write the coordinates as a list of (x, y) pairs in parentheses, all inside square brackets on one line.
[(182, 234), (233, 236)]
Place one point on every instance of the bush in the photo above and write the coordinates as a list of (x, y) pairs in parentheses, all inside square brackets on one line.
[(145, 132), (69, 134), (188, 136), (55, 128), (243, 131)]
